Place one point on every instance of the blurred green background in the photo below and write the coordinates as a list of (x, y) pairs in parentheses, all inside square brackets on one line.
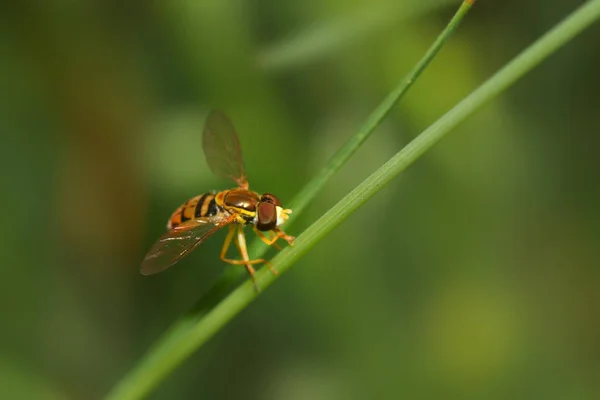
[(474, 275)]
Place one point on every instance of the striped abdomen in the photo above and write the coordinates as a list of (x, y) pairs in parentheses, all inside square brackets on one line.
[(203, 205)]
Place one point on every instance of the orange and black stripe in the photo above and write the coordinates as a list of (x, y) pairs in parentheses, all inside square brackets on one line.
[(201, 206)]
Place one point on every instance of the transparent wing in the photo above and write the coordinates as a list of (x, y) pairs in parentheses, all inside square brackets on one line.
[(180, 241), (222, 149)]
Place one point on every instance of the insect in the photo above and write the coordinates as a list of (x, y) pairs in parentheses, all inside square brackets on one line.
[(202, 216)]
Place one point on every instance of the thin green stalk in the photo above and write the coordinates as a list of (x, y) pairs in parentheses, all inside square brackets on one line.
[(159, 360), (382, 110), (201, 324), (310, 191)]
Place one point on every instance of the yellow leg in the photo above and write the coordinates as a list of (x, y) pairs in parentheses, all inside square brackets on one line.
[(281, 234), (227, 243), (269, 242), (278, 234), (241, 245)]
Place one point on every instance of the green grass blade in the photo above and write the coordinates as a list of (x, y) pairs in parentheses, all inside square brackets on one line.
[(164, 355), (351, 146), (203, 322)]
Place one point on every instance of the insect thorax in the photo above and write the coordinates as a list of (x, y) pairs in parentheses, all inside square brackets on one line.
[(241, 203)]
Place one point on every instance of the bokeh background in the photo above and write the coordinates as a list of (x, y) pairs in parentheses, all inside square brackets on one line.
[(475, 274)]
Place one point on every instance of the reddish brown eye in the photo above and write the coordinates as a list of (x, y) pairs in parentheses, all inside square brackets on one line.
[(270, 198), (267, 216)]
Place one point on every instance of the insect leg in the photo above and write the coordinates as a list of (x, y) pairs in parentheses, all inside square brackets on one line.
[(228, 239), (241, 245), (227, 243), (243, 262), (269, 242), (240, 242), (278, 234), (284, 236), (244, 252)]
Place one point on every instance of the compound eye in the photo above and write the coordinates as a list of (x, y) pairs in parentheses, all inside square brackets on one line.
[(267, 216), (270, 198)]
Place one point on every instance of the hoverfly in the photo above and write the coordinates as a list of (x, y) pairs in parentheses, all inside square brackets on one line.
[(202, 216)]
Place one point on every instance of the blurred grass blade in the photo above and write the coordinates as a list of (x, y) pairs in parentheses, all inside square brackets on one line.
[(202, 323), (373, 121), (323, 39)]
